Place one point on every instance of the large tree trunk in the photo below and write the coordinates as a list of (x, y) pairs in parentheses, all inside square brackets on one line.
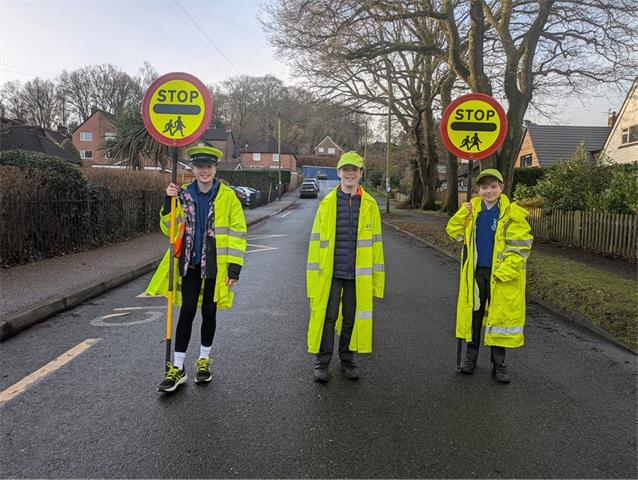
[(429, 194), (452, 170), (416, 192)]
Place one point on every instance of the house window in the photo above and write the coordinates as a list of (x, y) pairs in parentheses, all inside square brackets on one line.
[(630, 134), (256, 157), (110, 136), (86, 136), (331, 151), (275, 157), (320, 149), (86, 154), (526, 161)]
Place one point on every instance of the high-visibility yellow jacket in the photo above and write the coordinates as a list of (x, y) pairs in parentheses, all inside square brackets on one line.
[(230, 241), (505, 313), (369, 270)]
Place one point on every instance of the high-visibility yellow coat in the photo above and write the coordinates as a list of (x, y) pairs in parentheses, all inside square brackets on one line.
[(504, 319), (230, 241), (369, 270)]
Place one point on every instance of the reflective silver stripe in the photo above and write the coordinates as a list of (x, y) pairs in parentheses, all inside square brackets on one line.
[(231, 251), (499, 255), (364, 315), (230, 232), (522, 253), (459, 239), (505, 331), (315, 236), (312, 266), (519, 243), (324, 243), (378, 267), (364, 243), (363, 271), (377, 238)]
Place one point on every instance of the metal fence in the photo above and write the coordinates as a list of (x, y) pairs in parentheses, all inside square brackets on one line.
[(610, 233), (36, 228)]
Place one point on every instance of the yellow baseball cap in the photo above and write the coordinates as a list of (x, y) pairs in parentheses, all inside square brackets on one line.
[(203, 154), (490, 172), (350, 158)]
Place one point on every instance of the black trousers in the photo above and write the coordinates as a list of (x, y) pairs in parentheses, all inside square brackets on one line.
[(191, 286), (341, 291), (482, 277)]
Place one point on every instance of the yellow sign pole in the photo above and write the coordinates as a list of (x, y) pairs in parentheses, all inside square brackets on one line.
[(171, 265)]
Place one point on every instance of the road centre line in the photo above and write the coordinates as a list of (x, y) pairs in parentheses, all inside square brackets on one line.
[(19, 387)]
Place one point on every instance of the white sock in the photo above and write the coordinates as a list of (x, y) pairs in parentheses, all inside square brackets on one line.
[(204, 352), (178, 359)]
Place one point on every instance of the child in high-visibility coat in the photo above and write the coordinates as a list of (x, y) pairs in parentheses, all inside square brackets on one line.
[(345, 270), (212, 242), (497, 244)]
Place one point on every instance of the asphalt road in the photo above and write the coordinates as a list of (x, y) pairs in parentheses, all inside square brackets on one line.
[(570, 411)]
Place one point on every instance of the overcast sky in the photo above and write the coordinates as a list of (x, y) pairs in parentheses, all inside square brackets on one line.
[(212, 39)]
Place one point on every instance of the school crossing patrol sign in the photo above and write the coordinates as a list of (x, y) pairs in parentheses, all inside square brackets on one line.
[(177, 109), (473, 126)]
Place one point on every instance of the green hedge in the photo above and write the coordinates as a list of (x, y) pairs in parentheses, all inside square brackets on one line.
[(48, 208), (527, 176)]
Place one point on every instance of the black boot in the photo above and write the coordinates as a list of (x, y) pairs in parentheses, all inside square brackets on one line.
[(469, 364), (499, 370)]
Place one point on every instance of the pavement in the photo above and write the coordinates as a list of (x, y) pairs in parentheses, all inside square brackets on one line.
[(34, 292)]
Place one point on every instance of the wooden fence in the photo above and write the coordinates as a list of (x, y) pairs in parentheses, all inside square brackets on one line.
[(610, 233)]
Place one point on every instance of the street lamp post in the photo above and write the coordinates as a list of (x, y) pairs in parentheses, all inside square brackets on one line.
[(279, 154)]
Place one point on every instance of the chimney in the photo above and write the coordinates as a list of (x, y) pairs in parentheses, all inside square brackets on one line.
[(611, 118)]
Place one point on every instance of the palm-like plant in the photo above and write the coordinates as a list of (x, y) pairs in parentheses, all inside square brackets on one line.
[(133, 144)]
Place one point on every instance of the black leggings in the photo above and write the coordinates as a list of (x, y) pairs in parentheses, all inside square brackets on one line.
[(191, 285)]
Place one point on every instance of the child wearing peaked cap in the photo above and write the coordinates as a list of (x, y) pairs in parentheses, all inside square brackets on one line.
[(344, 271), (497, 243), (210, 247)]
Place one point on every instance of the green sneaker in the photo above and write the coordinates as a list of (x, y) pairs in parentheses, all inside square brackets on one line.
[(203, 371), (173, 378)]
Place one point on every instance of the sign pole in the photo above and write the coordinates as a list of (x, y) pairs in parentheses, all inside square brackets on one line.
[(171, 265)]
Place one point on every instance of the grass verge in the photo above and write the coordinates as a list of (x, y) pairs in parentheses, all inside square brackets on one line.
[(606, 300)]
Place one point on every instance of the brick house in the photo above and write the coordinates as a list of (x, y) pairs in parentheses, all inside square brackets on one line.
[(622, 143), (328, 146), (88, 137), (263, 154), (545, 145)]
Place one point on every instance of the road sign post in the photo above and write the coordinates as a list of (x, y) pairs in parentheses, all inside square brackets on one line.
[(177, 109), (472, 127)]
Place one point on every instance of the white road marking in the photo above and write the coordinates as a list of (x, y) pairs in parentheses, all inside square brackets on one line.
[(26, 382), (138, 308), (261, 237), (286, 214), (150, 316)]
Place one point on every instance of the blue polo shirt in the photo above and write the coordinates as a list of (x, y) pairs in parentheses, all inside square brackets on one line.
[(485, 231), (202, 204)]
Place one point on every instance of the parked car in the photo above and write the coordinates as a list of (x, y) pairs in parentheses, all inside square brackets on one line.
[(254, 196), (243, 197), (316, 182), (309, 189), (322, 175)]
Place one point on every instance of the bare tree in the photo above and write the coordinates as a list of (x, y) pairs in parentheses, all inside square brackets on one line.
[(13, 100), (507, 48)]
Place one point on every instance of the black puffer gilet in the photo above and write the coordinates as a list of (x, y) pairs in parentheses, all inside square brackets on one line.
[(346, 235)]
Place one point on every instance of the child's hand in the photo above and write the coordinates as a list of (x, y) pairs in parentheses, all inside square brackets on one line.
[(230, 282), (172, 190), (468, 206)]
